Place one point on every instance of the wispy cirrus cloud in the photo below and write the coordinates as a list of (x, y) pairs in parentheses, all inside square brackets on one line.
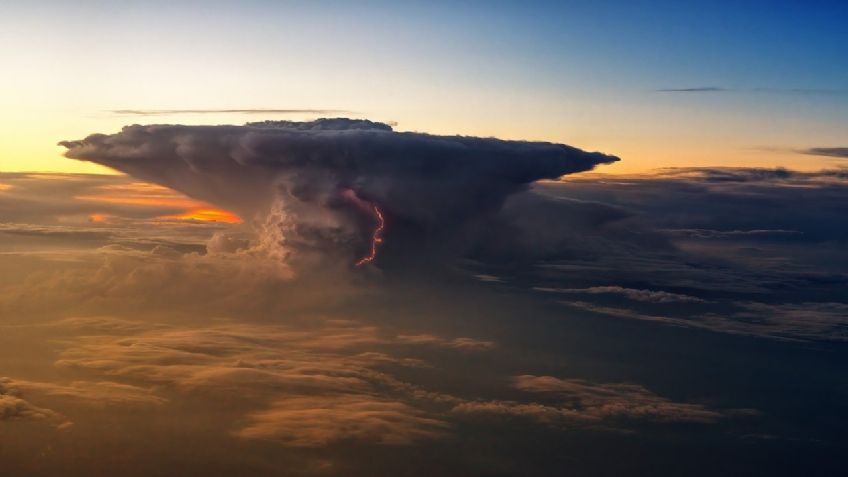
[(651, 296), (719, 89), (696, 89), (838, 152)]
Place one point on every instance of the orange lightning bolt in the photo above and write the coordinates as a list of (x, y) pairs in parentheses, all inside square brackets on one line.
[(376, 237)]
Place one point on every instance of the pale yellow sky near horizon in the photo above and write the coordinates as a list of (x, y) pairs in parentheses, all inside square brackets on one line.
[(31, 144)]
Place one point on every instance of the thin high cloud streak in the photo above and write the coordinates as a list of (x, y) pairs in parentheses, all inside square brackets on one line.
[(287, 174), (697, 89), (633, 294), (717, 89), (167, 112), (834, 152), (838, 152)]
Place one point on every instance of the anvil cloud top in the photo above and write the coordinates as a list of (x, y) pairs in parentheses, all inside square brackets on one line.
[(297, 172)]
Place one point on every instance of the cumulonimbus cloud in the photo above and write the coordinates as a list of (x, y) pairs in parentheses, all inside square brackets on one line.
[(309, 181)]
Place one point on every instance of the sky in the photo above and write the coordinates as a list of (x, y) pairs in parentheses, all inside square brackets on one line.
[(660, 84), (440, 238)]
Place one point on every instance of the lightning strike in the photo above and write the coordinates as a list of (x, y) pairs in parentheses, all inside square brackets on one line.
[(376, 237)]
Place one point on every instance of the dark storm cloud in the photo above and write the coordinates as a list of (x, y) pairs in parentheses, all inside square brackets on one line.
[(294, 176)]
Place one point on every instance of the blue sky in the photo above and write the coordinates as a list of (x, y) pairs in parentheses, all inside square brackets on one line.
[(585, 73)]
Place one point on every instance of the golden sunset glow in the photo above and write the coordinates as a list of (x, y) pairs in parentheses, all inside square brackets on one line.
[(146, 195), (386, 238), (98, 217), (206, 214)]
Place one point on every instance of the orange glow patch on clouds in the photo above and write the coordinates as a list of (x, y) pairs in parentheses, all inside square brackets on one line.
[(4, 186), (98, 217), (206, 215), (145, 194)]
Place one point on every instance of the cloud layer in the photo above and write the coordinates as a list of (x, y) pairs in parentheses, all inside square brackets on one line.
[(608, 313), (757, 252)]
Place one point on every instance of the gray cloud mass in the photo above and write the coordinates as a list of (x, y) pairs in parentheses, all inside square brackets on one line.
[(296, 177)]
